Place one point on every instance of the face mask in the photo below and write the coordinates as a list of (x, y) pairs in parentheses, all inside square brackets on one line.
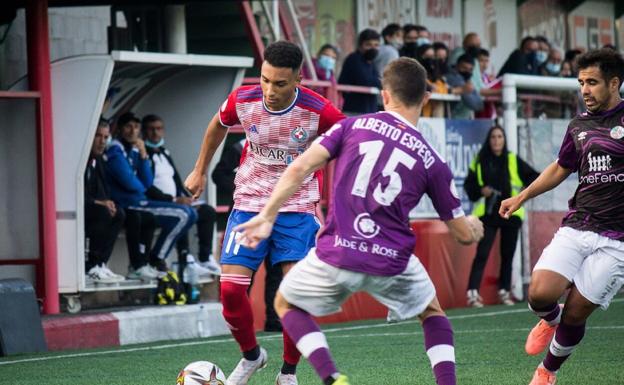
[(109, 140), (531, 57), (472, 51), (541, 56), (370, 54), (553, 68), (327, 62), (422, 40), (442, 66), (397, 43), (150, 144), (466, 75)]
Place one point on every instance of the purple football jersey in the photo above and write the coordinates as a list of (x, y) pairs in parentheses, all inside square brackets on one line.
[(594, 146), (383, 168)]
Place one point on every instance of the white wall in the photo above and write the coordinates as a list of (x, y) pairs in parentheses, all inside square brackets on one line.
[(73, 31), (580, 20), (495, 22), (444, 19)]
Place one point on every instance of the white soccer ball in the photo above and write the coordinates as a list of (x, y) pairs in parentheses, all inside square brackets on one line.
[(201, 373)]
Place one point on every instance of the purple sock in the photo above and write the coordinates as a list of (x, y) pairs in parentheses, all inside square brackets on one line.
[(440, 349), (567, 337), (550, 313), (310, 341)]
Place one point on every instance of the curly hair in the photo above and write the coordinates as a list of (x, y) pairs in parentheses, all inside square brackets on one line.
[(610, 62), (284, 54)]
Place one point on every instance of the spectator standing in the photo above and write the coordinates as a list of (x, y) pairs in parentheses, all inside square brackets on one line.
[(359, 70), (435, 81), (129, 172), (103, 218), (552, 66), (168, 187), (460, 83), (392, 35), (324, 66), (491, 87), (495, 174), (523, 60), (413, 37)]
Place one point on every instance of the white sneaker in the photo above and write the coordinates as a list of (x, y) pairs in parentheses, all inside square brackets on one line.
[(97, 275), (211, 265), (196, 268), (286, 379), (246, 368), (144, 273), (505, 297), (111, 274), (474, 299)]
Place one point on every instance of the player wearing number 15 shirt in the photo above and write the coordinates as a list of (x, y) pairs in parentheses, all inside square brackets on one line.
[(383, 168)]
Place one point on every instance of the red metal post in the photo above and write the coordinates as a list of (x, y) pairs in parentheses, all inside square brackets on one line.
[(39, 79), (252, 31)]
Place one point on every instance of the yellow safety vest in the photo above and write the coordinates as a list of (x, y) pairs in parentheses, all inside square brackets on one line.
[(515, 181)]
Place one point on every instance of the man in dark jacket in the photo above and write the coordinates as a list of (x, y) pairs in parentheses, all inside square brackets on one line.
[(168, 187), (359, 70), (103, 218), (129, 171)]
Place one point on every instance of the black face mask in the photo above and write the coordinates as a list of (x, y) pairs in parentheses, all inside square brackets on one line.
[(472, 51), (431, 66), (409, 49), (466, 75), (442, 66), (370, 54)]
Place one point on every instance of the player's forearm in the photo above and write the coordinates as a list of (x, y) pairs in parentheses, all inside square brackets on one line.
[(550, 178), (215, 133)]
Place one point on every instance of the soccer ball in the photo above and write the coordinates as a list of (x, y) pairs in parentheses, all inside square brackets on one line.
[(201, 373)]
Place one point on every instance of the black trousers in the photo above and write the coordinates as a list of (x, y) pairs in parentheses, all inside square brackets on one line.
[(206, 217), (509, 237), (140, 227), (101, 230)]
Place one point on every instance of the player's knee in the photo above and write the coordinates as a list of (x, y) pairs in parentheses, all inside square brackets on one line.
[(280, 304), (231, 294)]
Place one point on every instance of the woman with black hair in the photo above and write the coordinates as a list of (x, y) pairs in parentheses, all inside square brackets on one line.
[(495, 174)]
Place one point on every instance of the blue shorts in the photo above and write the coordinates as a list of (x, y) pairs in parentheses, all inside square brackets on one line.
[(294, 234)]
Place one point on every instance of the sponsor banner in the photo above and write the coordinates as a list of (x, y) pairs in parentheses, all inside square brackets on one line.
[(457, 141)]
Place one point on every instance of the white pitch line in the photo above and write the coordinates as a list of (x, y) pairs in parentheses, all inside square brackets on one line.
[(272, 337)]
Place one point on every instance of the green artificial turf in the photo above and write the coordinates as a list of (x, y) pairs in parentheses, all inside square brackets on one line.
[(489, 349)]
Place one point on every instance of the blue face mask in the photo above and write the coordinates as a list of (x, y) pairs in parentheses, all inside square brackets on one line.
[(422, 40), (553, 68), (541, 56), (327, 63), (160, 143)]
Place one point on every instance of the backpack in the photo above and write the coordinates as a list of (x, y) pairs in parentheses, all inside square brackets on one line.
[(170, 291)]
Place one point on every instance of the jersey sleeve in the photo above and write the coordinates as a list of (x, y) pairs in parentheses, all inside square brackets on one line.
[(568, 156), (330, 115), (227, 113), (332, 139), (443, 193)]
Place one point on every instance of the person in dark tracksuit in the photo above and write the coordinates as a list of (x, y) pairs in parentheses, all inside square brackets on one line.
[(103, 218), (168, 187), (495, 174), (130, 175)]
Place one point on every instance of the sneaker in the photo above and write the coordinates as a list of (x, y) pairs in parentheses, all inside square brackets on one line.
[(341, 380), (144, 273), (111, 274), (474, 299), (212, 266), (543, 376), (505, 297), (539, 337), (246, 368), (197, 268), (286, 379), (97, 275), (159, 265)]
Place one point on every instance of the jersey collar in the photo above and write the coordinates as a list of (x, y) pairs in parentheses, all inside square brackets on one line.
[(401, 118), (285, 110)]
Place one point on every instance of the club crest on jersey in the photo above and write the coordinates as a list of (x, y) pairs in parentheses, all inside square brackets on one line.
[(299, 135), (617, 132), (365, 226)]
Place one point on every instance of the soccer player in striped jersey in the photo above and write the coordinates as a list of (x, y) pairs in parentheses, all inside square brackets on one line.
[(280, 119), (586, 254), (383, 167)]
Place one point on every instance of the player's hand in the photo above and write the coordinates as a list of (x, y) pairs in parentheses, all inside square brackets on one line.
[(140, 145), (476, 226), (195, 183), (252, 232), (509, 206)]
